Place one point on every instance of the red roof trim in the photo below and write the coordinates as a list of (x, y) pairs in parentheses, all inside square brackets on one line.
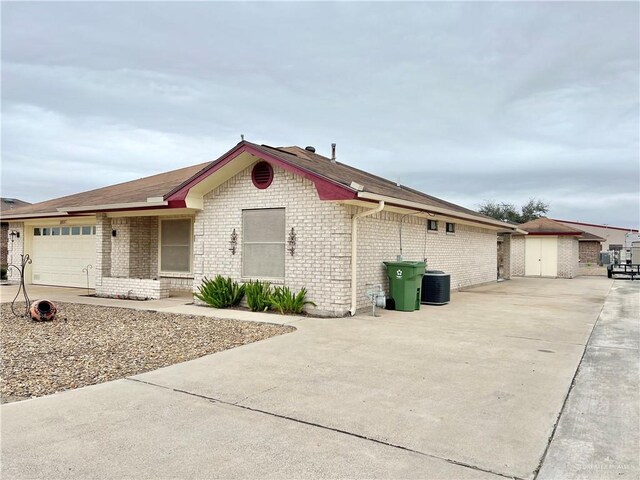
[(327, 189), (598, 226)]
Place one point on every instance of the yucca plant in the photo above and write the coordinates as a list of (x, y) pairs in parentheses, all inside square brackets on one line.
[(258, 295), (285, 301), (220, 292)]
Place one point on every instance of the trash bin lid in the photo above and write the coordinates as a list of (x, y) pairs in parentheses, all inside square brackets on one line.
[(434, 272), (405, 263)]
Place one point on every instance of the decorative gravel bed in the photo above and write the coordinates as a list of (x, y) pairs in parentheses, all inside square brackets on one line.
[(87, 344)]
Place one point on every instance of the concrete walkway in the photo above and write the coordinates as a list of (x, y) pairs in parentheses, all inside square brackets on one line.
[(598, 435), (472, 389)]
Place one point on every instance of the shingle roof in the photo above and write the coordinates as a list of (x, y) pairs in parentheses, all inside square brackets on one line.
[(163, 184), (127, 192), (590, 237), (345, 174), (7, 204), (546, 225)]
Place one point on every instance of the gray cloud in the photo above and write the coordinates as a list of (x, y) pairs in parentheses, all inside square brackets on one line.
[(468, 101)]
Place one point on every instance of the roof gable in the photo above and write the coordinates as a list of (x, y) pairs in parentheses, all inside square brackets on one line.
[(546, 226)]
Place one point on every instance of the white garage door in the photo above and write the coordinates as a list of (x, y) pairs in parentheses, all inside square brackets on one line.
[(541, 256), (60, 254)]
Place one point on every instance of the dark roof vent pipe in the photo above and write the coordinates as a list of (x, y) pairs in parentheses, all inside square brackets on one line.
[(333, 153), (310, 149)]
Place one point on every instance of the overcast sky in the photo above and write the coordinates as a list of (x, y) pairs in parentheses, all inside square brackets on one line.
[(468, 102)]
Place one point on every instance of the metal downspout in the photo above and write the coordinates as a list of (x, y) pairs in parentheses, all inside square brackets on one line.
[(354, 253)]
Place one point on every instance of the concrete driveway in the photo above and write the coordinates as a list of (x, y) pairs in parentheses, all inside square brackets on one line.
[(468, 390)]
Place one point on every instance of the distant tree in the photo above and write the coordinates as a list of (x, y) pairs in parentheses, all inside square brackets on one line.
[(508, 212)]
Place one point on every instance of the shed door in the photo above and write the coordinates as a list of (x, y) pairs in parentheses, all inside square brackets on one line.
[(541, 256), (59, 255)]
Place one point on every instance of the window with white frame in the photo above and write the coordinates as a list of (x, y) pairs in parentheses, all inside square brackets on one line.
[(263, 243), (175, 245)]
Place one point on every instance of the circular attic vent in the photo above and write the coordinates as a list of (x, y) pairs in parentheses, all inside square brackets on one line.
[(262, 175)]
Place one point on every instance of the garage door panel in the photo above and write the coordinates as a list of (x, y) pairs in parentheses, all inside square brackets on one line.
[(549, 257), (532, 257), (60, 259)]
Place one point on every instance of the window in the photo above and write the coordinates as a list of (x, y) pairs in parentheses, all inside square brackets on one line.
[(46, 231), (175, 245), (36, 231), (263, 242), (65, 230), (451, 227), (86, 230), (75, 230), (432, 225), (55, 231)]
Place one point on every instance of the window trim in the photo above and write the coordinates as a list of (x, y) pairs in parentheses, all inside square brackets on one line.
[(283, 243), (168, 273)]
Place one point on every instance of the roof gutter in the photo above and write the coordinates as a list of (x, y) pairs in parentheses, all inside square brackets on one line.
[(441, 210), (354, 254)]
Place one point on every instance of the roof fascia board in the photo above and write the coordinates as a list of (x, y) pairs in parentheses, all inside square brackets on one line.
[(327, 189), (562, 234), (444, 211), (114, 206)]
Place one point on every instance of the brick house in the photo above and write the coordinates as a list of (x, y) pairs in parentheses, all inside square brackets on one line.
[(287, 215), (550, 249)]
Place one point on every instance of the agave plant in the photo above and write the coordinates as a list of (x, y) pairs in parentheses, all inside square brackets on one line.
[(220, 292), (285, 301)]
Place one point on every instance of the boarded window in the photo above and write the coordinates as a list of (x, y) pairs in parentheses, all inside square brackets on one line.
[(175, 245), (263, 243)]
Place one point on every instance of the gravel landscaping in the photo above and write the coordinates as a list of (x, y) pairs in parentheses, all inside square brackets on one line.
[(87, 344)]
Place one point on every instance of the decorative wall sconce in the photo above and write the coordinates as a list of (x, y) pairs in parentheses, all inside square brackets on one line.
[(292, 242), (233, 242), (14, 234)]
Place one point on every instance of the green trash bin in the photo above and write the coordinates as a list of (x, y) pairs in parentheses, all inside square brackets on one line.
[(405, 283)]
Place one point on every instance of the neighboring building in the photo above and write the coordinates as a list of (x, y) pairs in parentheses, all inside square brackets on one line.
[(611, 235), (287, 215), (590, 248), (7, 205), (550, 249)]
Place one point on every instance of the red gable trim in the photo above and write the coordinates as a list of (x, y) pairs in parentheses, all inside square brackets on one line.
[(327, 189), (607, 227)]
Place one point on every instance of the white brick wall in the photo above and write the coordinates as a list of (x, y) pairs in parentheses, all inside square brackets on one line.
[(517, 255), (469, 254), (321, 260), (134, 288), (14, 250), (568, 256), (134, 249)]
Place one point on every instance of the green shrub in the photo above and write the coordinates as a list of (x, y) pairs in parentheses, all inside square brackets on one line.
[(258, 295), (285, 301), (220, 292)]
